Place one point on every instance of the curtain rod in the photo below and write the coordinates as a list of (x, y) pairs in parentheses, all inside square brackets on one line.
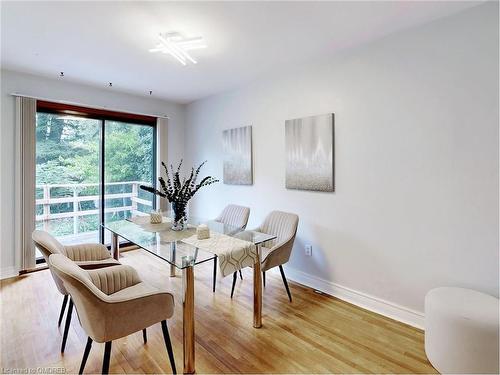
[(88, 106)]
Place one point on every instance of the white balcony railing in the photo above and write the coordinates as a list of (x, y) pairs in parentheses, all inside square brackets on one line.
[(75, 198)]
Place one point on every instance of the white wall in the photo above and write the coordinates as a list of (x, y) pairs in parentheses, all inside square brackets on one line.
[(416, 200), (62, 90)]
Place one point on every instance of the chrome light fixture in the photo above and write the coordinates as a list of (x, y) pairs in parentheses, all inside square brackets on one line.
[(176, 45)]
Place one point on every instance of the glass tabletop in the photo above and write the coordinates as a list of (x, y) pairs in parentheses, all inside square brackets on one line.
[(162, 241)]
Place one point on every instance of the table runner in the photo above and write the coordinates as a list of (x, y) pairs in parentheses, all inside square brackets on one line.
[(233, 253), (145, 223), (164, 229)]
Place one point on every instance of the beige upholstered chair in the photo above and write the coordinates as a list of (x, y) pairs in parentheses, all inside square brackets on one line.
[(112, 303), (236, 217), (88, 256), (277, 252)]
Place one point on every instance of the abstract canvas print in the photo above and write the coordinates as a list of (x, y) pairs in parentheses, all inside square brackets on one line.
[(237, 146), (309, 144)]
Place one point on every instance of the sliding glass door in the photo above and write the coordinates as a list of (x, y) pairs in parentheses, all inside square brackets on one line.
[(129, 161), (88, 171)]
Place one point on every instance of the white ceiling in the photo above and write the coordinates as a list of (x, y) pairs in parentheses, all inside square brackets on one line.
[(100, 42)]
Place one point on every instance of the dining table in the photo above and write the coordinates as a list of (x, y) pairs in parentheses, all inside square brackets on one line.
[(176, 248)]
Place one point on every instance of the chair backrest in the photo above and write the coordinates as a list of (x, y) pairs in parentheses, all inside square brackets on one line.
[(281, 224), (89, 289), (70, 273), (235, 216), (83, 293), (48, 245), (284, 226)]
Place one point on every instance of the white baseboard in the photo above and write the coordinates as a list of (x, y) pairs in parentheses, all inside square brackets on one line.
[(7, 272), (366, 301)]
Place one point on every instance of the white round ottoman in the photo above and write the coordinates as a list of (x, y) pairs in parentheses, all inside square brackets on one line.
[(461, 331)]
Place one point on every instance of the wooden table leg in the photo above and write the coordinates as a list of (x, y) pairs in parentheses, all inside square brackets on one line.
[(173, 250), (257, 292), (115, 246), (188, 319)]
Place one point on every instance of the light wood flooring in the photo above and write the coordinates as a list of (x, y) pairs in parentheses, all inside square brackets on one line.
[(313, 334)]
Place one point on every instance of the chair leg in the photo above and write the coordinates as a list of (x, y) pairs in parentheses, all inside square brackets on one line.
[(85, 355), (168, 344), (234, 283), (241, 276), (107, 355), (66, 326), (63, 307), (215, 273), (264, 278), (144, 335), (285, 282)]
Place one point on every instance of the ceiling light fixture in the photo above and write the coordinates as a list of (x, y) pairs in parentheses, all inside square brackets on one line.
[(176, 45)]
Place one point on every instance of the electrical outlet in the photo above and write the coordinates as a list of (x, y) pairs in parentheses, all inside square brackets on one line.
[(308, 250)]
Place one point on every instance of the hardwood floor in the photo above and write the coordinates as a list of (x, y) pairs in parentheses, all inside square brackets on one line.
[(313, 334)]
